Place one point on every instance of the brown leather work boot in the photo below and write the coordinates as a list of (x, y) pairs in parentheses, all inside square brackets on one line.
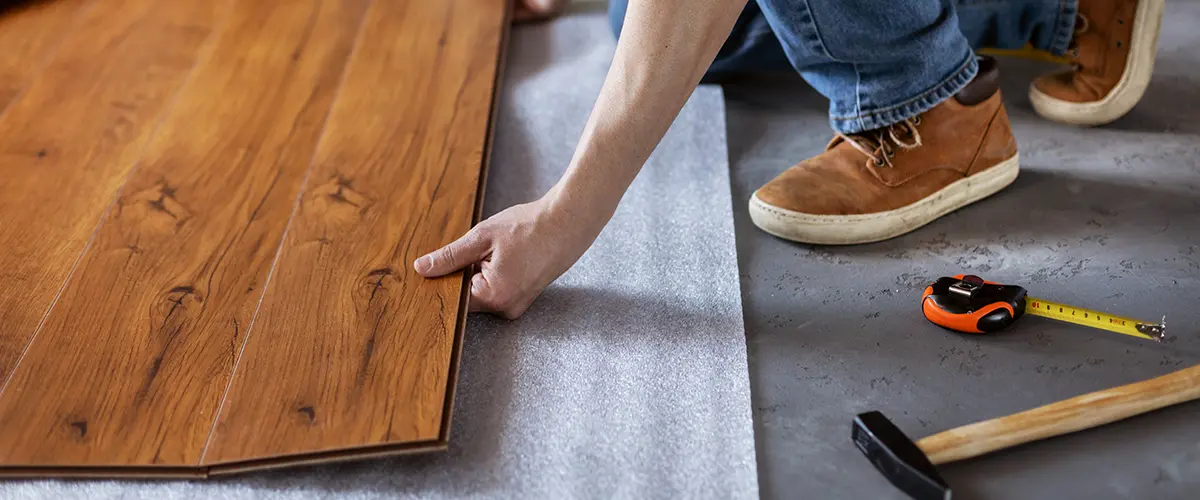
[(1113, 55), (887, 182)]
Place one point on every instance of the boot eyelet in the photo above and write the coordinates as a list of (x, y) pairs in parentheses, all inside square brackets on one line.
[(1082, 24), (917, 120), (1118, 44), (890, 154), (877, 161)]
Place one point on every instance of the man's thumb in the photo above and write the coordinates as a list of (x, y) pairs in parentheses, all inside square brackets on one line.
[(461, 253)]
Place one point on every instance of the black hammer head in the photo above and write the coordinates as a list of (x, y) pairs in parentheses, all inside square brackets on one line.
[(898, 458)]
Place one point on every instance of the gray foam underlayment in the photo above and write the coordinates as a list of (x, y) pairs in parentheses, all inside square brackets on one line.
[(1107, 218), (626, 379)]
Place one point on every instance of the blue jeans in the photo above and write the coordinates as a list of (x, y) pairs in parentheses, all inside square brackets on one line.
[(882, 61)]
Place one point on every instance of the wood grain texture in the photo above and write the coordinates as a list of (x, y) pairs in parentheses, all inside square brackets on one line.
[(1071, 415), (30, 32), (175, 273), (351, 348), (68, 141)]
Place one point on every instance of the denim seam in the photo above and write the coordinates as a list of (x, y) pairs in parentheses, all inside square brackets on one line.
[(816, 32), (948, 81), (1064, 27), (858, 95), (1058, 21)]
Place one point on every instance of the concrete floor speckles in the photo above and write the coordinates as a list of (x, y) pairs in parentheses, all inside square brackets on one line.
[(1105, 218)]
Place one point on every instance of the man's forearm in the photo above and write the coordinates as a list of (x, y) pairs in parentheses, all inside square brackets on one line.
[(664, 50)]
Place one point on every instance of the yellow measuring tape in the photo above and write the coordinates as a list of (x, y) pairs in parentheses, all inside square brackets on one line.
[(1027, 52), (1096, 319)]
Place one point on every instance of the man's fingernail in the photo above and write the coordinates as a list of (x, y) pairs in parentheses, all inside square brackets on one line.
[(422, 264)]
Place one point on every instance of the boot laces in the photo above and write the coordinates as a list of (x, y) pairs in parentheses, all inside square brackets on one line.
[(880, 145)]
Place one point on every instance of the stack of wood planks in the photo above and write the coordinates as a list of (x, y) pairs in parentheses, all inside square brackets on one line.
[(208, 215)]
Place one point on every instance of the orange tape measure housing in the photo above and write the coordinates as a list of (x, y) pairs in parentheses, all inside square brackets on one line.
[(990, 307)]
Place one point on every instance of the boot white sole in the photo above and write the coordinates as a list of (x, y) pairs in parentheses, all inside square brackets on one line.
[(1139, 65), (869, 228)]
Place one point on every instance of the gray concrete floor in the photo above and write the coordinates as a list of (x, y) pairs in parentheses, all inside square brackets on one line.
[(1107, 218)]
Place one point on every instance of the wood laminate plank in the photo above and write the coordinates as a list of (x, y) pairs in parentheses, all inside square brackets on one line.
[(142, 342), (351, 348), (68, 141), (30, 32), (129, 473)]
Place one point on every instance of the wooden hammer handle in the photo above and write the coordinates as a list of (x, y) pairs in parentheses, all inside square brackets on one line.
[(1064, 417)]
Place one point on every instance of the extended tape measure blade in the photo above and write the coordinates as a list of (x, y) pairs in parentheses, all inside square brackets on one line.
[(1095, 319)]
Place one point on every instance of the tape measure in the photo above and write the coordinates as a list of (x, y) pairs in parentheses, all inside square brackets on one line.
[(969, 304)]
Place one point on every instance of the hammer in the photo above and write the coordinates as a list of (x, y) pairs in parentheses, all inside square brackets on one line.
[(910, 465)]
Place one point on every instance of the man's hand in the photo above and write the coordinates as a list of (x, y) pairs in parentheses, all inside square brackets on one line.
[(519, 251), (665, 47)]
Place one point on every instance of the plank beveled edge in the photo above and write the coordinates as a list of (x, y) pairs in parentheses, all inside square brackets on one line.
[(225, 445), (327, 457), (36, 472), (476, 216), (228, 468), (279, 246)]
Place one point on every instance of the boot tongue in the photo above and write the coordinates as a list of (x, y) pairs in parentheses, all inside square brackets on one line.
[(867, 140), (983, 86), (837, 139)]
